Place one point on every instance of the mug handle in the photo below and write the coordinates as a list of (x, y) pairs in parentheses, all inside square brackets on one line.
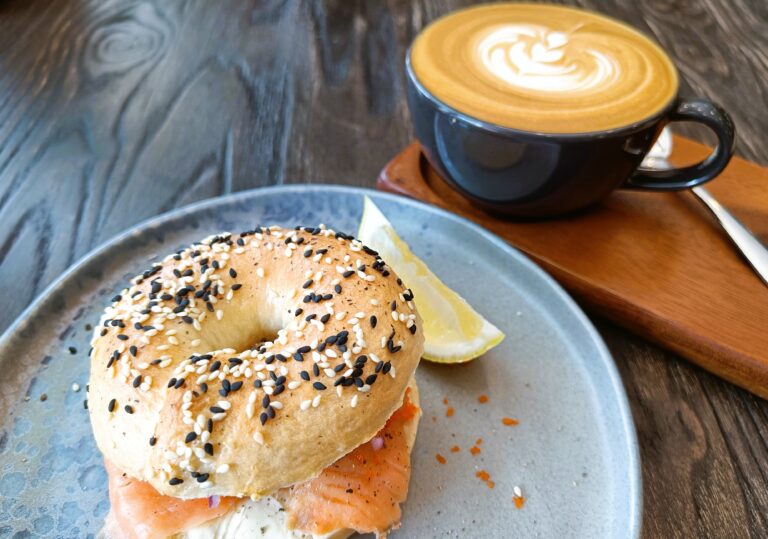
[(705, 112)]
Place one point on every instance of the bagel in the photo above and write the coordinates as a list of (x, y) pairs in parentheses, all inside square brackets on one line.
[(249, 362)]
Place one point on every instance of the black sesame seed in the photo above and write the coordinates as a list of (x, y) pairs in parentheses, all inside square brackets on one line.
[(257, 383), (378, 367), (179, 383), (85, 404), (263, 418), (325, 318), (307, 284), (202, 478), (216, 410), (304, 349), (152, 441), (265, 401), (137, 381), (232, 273), (315, 370), (387, 367), (271, 412), (236, 386), (348, 273), (340, 367), (359, 382), (129, 408), (225, 384), (281, 358), (412, 329), (326, 297), (321, 346), (175, 481), (72, 350), (208, 448), (319, 386), (187, 319), (237, 286), (210, 426), (337, 288), (307, 253), (304, 375), (122, 337), (371, 379), (235, 361), (278, 389), (393, 305), (339, 381), (204, 387), (298, 311), (215, 366), (191, 436), (111, 405)]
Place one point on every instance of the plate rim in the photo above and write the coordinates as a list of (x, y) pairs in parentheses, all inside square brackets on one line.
[(605, 357)]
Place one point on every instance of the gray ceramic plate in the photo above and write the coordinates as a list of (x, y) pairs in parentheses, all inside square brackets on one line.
[(573, 454)]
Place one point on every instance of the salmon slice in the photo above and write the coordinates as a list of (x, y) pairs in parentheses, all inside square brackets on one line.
[(363, 490), (140, 512)]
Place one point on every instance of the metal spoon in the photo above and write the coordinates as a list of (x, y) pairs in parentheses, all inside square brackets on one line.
[(752, 249)]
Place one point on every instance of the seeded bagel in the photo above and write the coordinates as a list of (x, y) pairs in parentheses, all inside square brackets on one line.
[(252, 361)]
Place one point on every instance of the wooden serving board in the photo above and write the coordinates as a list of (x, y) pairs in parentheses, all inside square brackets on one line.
[(656, 263)]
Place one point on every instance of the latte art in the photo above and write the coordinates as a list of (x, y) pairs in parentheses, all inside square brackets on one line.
[(543, 68), (536, 58)]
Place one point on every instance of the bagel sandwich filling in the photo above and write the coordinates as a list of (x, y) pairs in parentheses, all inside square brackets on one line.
[(258, 385)]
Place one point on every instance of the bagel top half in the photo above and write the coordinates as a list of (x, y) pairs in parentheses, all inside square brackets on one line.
[(251, 361)]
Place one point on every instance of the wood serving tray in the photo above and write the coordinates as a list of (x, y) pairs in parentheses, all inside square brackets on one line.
[(656, 263)]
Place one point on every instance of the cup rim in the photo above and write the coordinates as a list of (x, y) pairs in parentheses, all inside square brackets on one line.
[(503, 130)]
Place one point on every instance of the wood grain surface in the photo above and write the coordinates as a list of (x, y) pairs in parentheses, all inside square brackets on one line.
[(112, 112)]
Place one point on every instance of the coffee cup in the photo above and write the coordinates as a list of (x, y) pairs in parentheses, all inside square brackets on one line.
[(533, 110)]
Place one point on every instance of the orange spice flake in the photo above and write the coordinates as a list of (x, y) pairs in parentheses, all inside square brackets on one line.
[(440, 458), (445, 400), (455, 449), (474, 450), (519, 501), (449, 412), (485, 477), (509, 422), (478, 441), (482, 399)]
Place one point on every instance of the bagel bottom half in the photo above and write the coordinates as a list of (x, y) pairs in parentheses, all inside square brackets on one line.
[(311, 510)]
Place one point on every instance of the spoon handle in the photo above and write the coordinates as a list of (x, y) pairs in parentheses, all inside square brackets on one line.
[(754, 251)]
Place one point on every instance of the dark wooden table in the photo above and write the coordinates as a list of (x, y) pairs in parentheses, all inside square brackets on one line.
[(112, 112)]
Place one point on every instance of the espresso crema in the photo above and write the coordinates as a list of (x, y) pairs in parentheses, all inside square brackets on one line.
[(543, 68)]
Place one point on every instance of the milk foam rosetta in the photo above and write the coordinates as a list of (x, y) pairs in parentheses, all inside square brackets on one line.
[(543, 68)]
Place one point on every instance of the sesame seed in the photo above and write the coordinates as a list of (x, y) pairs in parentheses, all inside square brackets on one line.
[(111, 405), (208, 447), (175, 481), (319, 386), (129, 408)]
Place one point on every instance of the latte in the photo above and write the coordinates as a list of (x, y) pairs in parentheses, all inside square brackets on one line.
[(543, 68)]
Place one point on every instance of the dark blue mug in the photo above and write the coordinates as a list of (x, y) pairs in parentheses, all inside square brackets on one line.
[(518, 173)]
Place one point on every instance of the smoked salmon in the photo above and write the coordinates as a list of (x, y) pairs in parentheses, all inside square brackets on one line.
[(361, 491), (140, 512)]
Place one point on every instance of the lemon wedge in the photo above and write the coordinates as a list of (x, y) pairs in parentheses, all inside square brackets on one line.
[(453, 331)]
